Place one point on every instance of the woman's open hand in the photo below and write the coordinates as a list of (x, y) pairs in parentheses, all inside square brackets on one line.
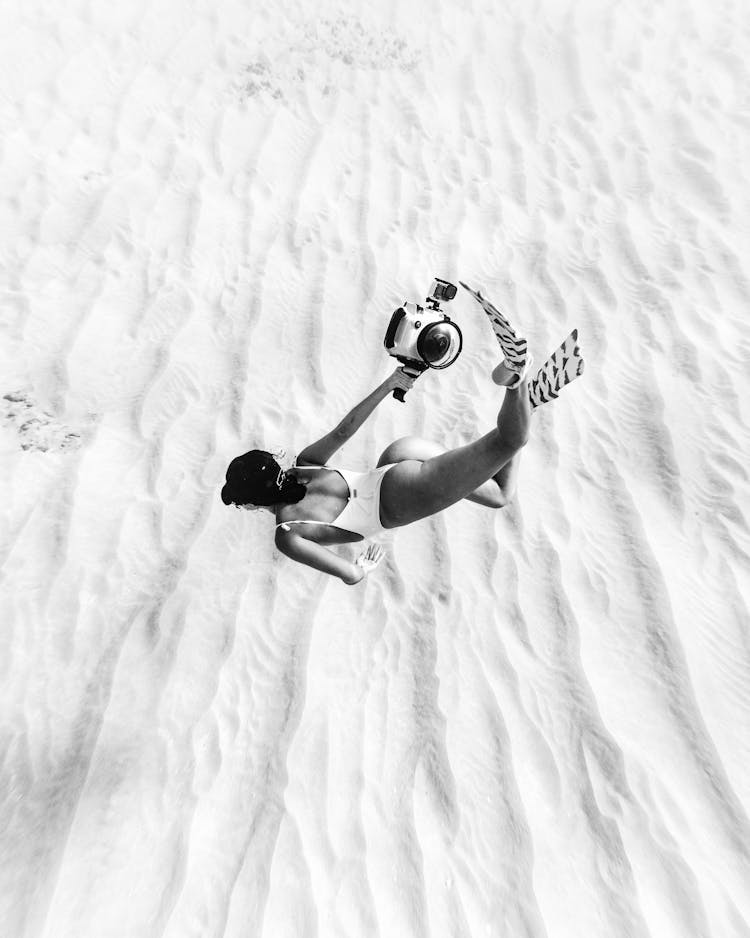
[(369, 559)]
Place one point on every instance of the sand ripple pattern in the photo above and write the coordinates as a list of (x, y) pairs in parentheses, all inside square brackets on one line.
[(533, 722)]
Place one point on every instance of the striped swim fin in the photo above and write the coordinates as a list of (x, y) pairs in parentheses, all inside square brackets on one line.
[(514, 346), (564, 365)]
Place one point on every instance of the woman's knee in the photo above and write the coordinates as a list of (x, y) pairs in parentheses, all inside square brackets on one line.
[(504, 496)]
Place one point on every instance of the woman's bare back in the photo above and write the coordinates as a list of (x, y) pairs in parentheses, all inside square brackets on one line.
[(326, 497)]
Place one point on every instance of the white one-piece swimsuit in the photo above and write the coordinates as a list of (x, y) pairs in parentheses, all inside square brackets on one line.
[(362, 512)]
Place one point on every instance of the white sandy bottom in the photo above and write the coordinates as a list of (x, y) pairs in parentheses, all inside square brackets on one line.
[(532, 722)]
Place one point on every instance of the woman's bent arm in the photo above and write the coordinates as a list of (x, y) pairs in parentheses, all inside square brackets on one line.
[(318, 557)]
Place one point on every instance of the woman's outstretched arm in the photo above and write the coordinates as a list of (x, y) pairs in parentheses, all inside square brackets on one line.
[(318, 453)]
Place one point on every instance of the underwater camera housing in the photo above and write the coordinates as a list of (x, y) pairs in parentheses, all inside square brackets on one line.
[(423, 337)]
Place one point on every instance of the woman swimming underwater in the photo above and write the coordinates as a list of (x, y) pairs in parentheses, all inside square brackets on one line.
[(317, 505)]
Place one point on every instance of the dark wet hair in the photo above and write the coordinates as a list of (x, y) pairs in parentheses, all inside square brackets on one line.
[(252, 479)]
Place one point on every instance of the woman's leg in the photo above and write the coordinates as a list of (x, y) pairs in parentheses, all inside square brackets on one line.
[(496, 492), (414, 490)]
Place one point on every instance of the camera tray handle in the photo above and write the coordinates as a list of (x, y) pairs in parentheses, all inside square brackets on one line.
[(414, 370)]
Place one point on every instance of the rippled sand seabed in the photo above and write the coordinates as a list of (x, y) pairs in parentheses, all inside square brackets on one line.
[(533, 722)]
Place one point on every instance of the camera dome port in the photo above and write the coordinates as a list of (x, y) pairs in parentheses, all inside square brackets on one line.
[(439, 344)]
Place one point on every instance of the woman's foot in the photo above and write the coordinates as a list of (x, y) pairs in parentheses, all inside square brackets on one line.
[(509, 375)]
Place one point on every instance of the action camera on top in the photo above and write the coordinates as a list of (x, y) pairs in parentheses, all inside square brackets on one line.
[(423, 337)]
